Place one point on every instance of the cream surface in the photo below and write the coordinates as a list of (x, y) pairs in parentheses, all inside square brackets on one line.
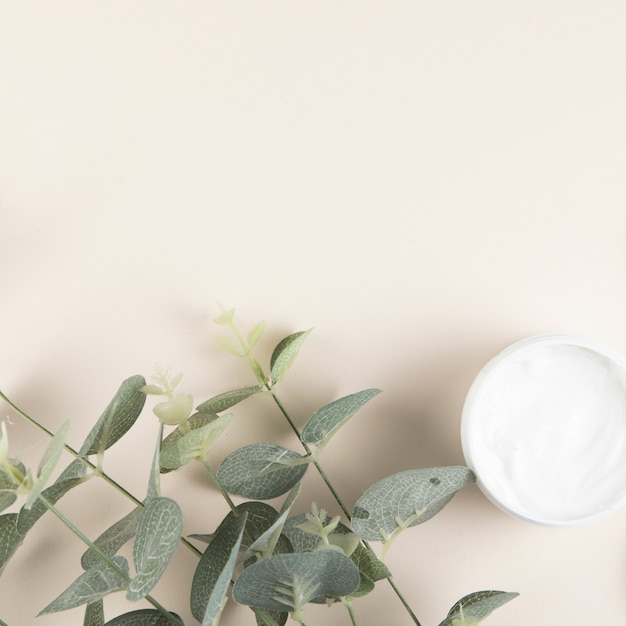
[(548, 433)]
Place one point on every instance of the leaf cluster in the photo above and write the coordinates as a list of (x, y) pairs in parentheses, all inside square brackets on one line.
[(260, 555)]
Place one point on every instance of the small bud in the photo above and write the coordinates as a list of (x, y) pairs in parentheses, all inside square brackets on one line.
[(175, 410)]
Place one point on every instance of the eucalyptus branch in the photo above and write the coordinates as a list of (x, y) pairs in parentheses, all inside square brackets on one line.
[(118, 570)]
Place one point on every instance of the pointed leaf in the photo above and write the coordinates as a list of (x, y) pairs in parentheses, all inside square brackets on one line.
[(95, 583), (285, 582), (217, 597), (145, 617), (327, 420), (226, 400), (255, 334), (112, 539), (157, 538), (10, 538), (478, 605), (197, 420), (285, 353), (192, 445), (259, 471), (266, 543), (7, 498), (214, 561), (118, 417), (94, 614), (406, 499), (225, 318), (48, 463)]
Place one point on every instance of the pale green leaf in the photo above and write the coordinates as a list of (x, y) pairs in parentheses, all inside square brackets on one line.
[(197, 420), (260, 471), (226, 400), (95, 583), (215, 559), (478, 605), (229, 344), (217, 598), (255, 334), (158, 534), (145, 617), (178, 451), (48, 463), (225, 318), (285, 353), (286, 582), (118, 417), (327, 420), (7, 498), (265, 544), (94, 614), (10, 538), (406, 499), (112, 539)]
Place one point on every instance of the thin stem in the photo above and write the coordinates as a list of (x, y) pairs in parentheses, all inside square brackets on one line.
[(224, 493), (74, 529), (351, 613), (89, 464)]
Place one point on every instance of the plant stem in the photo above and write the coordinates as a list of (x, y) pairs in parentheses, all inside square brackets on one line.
[(74, 529), (351, 613), (89, 464)]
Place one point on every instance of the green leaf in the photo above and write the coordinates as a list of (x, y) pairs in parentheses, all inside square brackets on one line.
[(327, 420), (217, 598), (255, 334), (94, 614), (260, 471), (7, 498), (270, 618), (225, 318), (112, 539), (179, 451), (285, 353), (226, 400), (95, 583), (478, 605), (197, 420), (48, 463), (118, 417), (145, 617), (286, 582), (266, 543), (10, 538), (158, 534), (69, 478), (406, 499), (215, 560)]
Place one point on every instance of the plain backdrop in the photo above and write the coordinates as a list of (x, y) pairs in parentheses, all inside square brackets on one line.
[(422, 183)]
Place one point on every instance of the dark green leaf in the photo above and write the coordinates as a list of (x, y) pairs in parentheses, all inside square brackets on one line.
[(261, 471), (478, 605), (406, 499), (112, 539), (285, 353), (7, 498), (217, 598), (270, 618), (213, 562), (327, 420), (226, 400), (158, 534), (286, 582), (118, 417), (94, 584)]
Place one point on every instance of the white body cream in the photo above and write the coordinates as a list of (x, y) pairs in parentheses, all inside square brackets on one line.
[(544, 429)]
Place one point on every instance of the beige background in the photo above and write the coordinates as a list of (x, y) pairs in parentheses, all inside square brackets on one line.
[(421, 182)]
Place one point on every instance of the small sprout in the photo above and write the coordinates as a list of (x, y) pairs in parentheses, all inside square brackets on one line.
[(178, 406)]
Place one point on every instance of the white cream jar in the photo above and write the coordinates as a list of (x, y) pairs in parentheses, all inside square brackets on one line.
[(544, 429)]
